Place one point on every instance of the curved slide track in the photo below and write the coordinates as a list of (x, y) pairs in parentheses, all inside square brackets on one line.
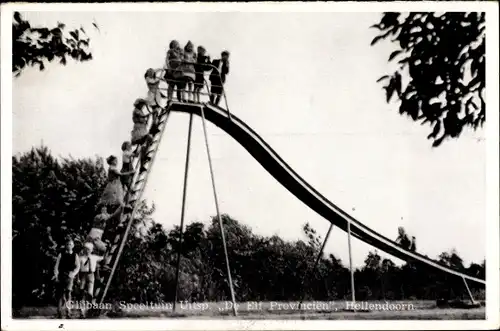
[(285, 175)]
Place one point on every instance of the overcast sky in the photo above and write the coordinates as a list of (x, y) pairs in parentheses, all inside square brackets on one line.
[(306, 82)]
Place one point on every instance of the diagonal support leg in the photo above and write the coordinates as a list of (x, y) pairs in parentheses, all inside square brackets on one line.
[(350, 261), (183, 210), (469, 292), (313, 269), (230, 281)]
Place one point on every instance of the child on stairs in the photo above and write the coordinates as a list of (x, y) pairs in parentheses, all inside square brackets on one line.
[(154, 95), (99, 225), (127, 166)]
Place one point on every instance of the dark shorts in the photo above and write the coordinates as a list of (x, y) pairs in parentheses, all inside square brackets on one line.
[(141, 140), (181, 84), (127, 166), (87, 280), (199, 82), (65, 282), (216, 85), (176, 80), (216, 89)]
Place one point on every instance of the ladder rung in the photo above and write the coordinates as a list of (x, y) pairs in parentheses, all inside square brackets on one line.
[(134, 193), (138, 181)]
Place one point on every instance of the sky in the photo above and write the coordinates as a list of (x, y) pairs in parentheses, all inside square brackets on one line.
[(306, 83)]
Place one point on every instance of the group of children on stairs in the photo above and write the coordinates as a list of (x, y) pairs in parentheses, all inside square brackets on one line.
[(183, 68), (111, 206), (112, 202)]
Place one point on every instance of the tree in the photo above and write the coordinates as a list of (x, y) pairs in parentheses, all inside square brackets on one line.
[(444, 56), (32, 46), (52, 199)]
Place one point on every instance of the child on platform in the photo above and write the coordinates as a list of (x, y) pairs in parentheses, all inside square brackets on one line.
[(218, 77), (202, 62), (174, 74), (188, 69)]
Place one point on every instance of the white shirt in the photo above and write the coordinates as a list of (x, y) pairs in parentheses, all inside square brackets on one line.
[(127, 156), (88, 263)]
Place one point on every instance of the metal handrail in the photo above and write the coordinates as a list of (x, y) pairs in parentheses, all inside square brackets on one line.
[(163, 70)]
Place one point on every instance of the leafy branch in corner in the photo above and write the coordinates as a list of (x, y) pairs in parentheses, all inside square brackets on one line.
[(444, 57), (32, 46)]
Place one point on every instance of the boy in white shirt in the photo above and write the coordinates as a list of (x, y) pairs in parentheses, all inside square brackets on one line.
[(88, 266)]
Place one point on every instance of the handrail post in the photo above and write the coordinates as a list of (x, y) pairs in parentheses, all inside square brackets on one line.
[(184, 193)]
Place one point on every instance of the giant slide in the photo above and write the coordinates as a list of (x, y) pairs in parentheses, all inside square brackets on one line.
[(285, 175)]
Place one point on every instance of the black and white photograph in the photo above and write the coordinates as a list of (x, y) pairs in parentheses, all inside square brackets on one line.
[(250, 166)]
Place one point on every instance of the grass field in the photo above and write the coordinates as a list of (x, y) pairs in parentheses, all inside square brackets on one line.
[(334, 310)]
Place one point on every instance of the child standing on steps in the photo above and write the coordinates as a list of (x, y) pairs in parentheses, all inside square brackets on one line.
[(98, 227), (140, 133), (127, 158), (113, 194), (154, 94)]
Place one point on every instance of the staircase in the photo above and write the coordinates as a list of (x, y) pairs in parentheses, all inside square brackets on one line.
[(132, 199)]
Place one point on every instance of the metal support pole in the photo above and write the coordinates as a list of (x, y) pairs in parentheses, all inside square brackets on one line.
[(183, 210), (350, 261), (317, 259), (468, 291), (230, 281)]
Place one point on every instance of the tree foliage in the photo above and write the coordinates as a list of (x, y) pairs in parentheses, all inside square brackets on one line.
[(54, 198), (444, 56), (33, 46)]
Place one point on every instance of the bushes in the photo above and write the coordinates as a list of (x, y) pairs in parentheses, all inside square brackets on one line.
[(52, 199)]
